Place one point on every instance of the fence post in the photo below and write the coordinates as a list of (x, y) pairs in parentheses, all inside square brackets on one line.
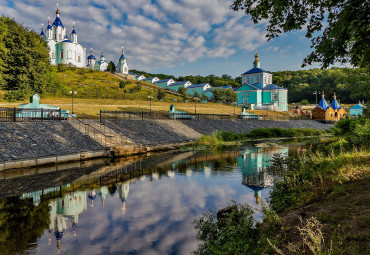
[(14, 117), (60, 114), (142, 115), (100, 116)]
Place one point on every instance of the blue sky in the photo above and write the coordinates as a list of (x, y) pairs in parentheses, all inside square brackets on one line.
[(179, 37)]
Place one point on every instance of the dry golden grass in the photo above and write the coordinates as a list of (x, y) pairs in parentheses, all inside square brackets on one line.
[(93, 106)]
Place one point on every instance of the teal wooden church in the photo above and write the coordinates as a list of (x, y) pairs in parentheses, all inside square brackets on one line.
[(259, 93)]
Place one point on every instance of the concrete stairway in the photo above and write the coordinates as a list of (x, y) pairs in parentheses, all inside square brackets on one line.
[(100, 132)]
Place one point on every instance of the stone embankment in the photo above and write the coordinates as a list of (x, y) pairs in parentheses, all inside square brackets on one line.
[(157, 132), (31, 140), (29, 144)]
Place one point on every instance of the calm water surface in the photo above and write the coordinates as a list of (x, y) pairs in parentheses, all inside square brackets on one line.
[(132, 206)]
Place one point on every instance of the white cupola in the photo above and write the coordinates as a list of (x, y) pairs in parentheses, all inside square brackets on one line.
[(74, 34)]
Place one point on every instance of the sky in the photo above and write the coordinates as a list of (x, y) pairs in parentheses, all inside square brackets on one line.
[(177, 37)]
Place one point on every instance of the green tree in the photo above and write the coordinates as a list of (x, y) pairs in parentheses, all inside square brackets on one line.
[(161, 94), (122, 84), (204, 96), (183, 93), (111, 67), (230, 96), (219, 94), (344, 39), (196, 94), (26, 66)]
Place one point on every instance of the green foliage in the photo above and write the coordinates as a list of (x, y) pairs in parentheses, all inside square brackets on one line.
[(196, 94), (25, 67), (309, 176), (61, 67), (224, 95), (111, 67), (161, 94), (233, 234), (122, 84), (356, 131), (136, 88), (304, 102), (15, 95), (350, 84), (183, 93), (344, 39), (204, 97), (281, 132)]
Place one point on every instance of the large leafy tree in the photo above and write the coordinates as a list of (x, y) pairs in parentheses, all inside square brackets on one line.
[(339, 29), (25, 67)]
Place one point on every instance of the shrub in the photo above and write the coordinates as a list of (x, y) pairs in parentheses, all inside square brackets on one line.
[(304, 102), (161, 94), (61, 68), (15, 95), (234, 234), (137, 88), (122, 84)]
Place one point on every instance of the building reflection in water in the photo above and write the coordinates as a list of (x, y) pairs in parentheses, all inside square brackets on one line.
[(251, 162), (64, 211), (123, 190)]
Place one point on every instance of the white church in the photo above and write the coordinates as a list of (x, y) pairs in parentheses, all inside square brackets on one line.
[(63, 50)]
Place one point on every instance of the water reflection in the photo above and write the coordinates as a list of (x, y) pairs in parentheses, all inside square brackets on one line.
[(93, 214)]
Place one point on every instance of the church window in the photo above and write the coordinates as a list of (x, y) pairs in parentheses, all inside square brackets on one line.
[(53, 55), (79, 58), (247, 94), (257, 79), (274, 96), (248, 80), (61, 54), (125, 69), (60, 37)]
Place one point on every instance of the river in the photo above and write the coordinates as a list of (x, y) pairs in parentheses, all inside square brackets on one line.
[(137, 205)]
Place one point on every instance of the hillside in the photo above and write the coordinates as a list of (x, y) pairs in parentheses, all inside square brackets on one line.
[(100, 91)]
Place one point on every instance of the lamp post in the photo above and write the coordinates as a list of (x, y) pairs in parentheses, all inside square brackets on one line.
[(315, 93), (234, 103), (195, 101), (72, 93), (150, 105)]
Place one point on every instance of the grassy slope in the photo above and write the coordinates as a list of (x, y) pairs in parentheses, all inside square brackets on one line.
[(100, 91)]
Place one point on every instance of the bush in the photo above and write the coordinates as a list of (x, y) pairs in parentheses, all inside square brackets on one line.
[(161, 94), (15, 95), (304, 102), (122, 84), (137, 88), (61, 68), (233, 234)]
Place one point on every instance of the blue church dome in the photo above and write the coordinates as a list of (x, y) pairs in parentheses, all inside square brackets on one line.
[(49, 27), (91, 57), (74, 31), (57, 22), (42, 33), (122, 56)]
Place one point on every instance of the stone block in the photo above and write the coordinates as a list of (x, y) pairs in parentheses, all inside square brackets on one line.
[(68, 158), (20, 164), (46, 161)]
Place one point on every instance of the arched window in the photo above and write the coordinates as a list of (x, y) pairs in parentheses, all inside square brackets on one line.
[(79, 58), (125, 69), (60, 37), (53, 55), (61, 54)]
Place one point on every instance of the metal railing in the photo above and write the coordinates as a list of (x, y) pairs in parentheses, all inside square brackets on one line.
[(24, 115), (130, 115), (104, 136)]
